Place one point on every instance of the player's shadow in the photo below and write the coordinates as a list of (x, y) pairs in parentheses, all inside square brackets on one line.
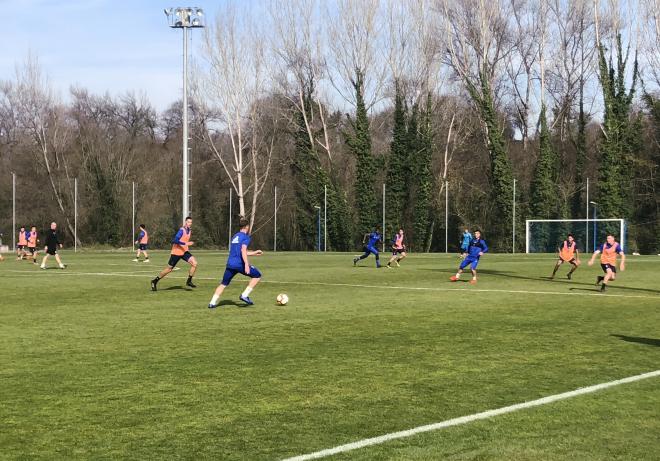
[(639, 340), (176, 287), (229, 302)]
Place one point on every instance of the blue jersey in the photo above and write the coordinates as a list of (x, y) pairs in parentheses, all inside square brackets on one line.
[(177, 238), (141, 234), (235, 260), (467, 237), (477, 246), (600, 247), (374, 238)]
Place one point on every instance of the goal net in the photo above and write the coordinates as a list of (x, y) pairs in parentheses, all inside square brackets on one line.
[(545, 235)]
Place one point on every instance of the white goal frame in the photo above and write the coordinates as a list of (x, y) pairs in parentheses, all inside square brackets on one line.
[(622, 228)]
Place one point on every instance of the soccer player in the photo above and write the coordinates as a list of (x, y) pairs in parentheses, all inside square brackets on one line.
[(475, 250), (22, 244), (568, 253), (180, 244), (371, 240), (398, 249), (237, 263), (32, 240), (608, 252), (52, 242), (465, 242), (143, 242)]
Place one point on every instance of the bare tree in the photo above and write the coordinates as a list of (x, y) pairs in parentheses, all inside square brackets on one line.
[(232, 91), (41, 117)]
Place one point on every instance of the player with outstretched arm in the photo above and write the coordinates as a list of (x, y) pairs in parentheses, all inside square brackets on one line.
[(475, 250), (608, 252)]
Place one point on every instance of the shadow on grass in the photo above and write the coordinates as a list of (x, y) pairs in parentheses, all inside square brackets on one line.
[(639, 340), (229, 302), (176, 287), (546, 278)]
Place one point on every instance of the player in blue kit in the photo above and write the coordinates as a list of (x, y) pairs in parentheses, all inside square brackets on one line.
[(237, 263), (475, 250), (370, 247)]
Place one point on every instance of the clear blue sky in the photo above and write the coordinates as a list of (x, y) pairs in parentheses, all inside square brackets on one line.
[(103, 45)]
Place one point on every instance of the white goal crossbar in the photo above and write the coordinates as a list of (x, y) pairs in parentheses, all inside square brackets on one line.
[(587, 224)]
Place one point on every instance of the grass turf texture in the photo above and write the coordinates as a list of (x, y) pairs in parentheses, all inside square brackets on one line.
[(98, 366)]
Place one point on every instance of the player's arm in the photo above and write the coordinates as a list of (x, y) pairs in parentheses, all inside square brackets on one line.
[(244, 256), (622, 265), (255, 252), (484, 248), (593, 257), (177, 239), (364, 239), (577, 256)]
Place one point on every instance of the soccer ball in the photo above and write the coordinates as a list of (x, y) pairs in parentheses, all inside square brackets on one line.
[(282, 299)]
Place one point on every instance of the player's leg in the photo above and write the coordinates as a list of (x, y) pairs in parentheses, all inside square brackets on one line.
[(377, 255), (609, 275), (146, 255), (473, 269), (559, 263), (574, 267), (392, 259), (137, 255), (462, 266), (359, 258), (255, 277), (174, 259), (43, 262), (402, 255), (59, 261), (226, 280), (193, 267)]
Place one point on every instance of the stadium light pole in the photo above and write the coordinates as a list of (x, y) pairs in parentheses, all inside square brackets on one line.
[(133, 217), (513, 240), (185, 18), (231, 190), (75, 215), (275, 225), (325, 218), (318, 228), (586, 230), (595, 205)]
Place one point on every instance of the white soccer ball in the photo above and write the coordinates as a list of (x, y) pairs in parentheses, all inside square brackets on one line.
[(282, 299)]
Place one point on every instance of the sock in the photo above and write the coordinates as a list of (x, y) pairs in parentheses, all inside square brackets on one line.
[(458, 275), (190, 278), (214, 300), (247, 292)]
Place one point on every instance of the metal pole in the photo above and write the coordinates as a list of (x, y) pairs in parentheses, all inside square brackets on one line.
[(325, 217), (185, 124), (383, 229), (586, 224), (595, 227), (133, 217), (230, 198), (13, 204), (75, 215), (513, 248), (275, 230), (446, 217)]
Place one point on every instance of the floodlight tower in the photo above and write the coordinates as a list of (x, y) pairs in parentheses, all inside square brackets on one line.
[(185, 18)]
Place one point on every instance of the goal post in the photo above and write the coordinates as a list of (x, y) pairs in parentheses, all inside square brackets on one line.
[(545, 235)]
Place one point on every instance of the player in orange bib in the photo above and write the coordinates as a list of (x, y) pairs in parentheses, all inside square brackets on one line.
[(22, 244), (180, 244), (398, 249), (143, 243), (32, 240), (608, 252), (568, 253)]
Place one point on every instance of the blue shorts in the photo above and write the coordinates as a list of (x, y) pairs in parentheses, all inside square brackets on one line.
[(230, 273), (175, 258), (370, 250), (143, 247), (464, 248), (469, 261)]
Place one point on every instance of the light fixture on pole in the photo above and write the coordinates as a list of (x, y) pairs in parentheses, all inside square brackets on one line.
[(185, 18)]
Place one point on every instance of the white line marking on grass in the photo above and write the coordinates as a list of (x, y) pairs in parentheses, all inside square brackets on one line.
[(346, 285), (468, 419)]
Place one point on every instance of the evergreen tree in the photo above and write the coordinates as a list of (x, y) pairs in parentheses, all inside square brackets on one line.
[(423, 179), (544, 193), (501, 175), (359, 144), (398, 166), (580, 157), (615, 173)]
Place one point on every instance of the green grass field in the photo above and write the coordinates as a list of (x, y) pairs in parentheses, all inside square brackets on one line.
[(96, 366)]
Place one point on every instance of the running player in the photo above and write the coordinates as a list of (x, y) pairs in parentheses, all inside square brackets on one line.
[(22, 244), (237, 263), (142, 242), (398, 249), (568, 253), (52, 242), (608, 253), (475, 250), (465, 242), (180, 244), (371, 240), (32, 240)]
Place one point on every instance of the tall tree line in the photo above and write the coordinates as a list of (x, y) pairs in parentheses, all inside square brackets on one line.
[(338, 99)]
